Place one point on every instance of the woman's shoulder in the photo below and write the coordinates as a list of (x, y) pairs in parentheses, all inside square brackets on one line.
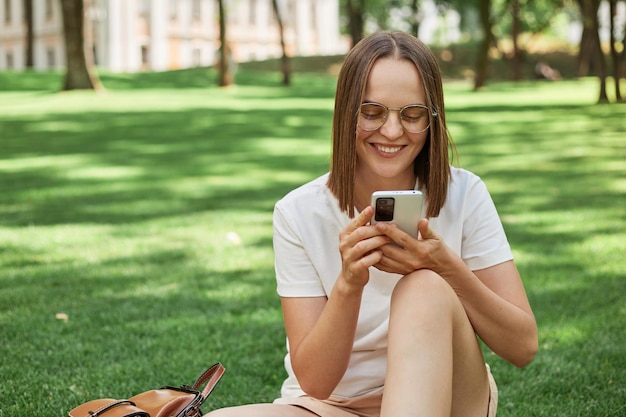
[(310, 207), (312, 193), (465, 185), (463, 176)]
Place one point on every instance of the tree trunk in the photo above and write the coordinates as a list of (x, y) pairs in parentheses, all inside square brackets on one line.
[(615, 58), (587, 42), (598, 61), (516, 62), (415, 24), (226, 77), (79, 56), (355, 20), (28, 16), (622, 58), (285, 66), (482, 64)]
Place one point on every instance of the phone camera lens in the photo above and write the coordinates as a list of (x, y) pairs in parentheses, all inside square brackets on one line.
[(384, 209)]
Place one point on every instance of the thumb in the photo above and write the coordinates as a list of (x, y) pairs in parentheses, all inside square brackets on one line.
[(425, 231)]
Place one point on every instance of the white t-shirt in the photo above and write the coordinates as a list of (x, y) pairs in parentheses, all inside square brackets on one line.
[(307, 223)]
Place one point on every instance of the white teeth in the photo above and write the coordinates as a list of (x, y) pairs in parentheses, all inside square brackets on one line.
[(388, 149)]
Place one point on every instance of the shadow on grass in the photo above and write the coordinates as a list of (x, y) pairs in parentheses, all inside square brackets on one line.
[(53, 80), (163, 311), (557, 175), (94, 160), (112, 160), (303, 84), (148, 333)]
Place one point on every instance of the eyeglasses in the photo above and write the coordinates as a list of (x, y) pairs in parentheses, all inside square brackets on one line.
[(414, 117)]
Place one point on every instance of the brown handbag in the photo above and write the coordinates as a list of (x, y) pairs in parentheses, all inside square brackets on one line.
[(165, 402)]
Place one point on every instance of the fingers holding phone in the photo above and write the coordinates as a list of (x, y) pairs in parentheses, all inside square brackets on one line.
[(359, 245)]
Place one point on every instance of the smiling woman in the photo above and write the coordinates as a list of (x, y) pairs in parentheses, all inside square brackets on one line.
[(154, 285), (380, 310)]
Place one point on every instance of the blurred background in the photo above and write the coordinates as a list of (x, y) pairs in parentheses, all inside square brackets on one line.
[(476, 39)]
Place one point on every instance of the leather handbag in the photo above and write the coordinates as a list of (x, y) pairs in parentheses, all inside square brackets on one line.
[(164, 402)]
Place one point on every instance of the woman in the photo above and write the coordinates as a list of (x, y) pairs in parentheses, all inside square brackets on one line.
[(380, 323)]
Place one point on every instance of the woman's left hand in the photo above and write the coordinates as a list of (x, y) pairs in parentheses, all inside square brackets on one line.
[(407, 254)]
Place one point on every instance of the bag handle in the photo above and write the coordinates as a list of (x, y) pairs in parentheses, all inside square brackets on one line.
[(211, 377)]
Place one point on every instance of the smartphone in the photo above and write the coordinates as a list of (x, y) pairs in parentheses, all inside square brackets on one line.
[(402, 207)]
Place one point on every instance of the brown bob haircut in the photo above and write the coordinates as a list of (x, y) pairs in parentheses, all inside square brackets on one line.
[(432, 165)]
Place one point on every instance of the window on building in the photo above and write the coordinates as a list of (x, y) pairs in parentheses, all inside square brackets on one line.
[(7, 11), (50, 58), (291, 13), (195, 9), (197, 55), (9, 59), (144, 55), (173, 9), (144, 7), (252, 12), (49, 9), (313, 15)]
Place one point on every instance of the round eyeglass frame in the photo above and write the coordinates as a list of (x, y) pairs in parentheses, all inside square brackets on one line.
[(398, 109)]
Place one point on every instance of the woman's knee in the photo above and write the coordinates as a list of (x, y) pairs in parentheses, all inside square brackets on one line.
[(423, 300), (425, 287)]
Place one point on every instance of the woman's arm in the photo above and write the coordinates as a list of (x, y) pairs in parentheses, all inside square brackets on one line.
[(494, 298), (499, 310), (321, 331)]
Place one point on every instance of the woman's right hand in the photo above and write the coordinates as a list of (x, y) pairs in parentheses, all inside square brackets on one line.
[(359, 245)]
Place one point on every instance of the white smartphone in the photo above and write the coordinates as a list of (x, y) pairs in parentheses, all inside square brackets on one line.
[(402, 207)]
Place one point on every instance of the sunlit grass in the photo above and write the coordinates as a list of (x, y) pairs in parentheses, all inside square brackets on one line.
[(143, 216)]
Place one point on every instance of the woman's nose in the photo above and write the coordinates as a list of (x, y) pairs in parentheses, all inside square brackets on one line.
[(392, 128)]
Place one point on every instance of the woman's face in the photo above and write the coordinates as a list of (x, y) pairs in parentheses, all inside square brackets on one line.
[(385, 156)]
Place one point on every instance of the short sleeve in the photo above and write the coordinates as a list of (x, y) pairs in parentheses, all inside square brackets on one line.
[(296, 275), (484, 240)]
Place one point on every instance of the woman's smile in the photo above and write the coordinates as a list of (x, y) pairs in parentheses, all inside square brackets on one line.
[(387, 150)]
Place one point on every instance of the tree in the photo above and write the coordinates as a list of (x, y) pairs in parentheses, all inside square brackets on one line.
[(284, 60), (483, 7), (615, 55), (590, 47), (28, 17), (586, 45), (80, 73), (526, 16), (378, 15), (356, 19), (516, 59), (621, 59), (225, 77), (482, 62), (414, 19)]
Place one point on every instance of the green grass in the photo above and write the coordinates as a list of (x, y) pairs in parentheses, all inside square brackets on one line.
[(144, 215)]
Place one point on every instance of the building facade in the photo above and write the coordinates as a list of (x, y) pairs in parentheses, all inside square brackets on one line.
[(160, 35)]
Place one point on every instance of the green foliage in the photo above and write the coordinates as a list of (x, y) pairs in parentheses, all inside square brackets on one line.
[(536, 16), (135, 232)]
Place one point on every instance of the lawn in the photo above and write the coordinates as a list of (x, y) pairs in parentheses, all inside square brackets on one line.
[(135, 233)]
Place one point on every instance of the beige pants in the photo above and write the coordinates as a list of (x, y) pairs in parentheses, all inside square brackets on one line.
[(364, 406)]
